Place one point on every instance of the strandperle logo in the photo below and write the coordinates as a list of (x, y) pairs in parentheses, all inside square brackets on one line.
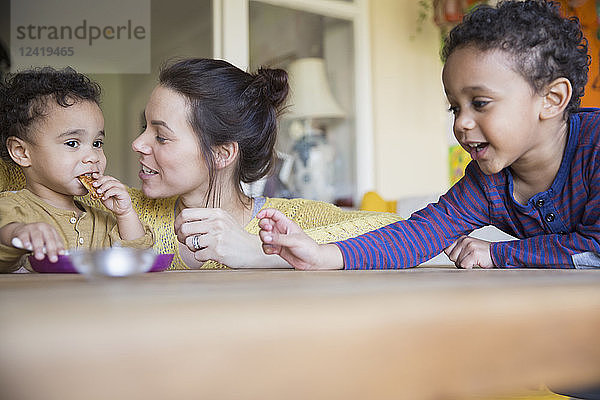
[(111, 36), (86, 32)]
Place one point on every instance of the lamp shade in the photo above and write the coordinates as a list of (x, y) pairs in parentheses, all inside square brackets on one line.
[(310, 95)]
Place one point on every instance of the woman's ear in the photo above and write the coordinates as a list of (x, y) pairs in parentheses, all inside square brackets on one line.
[(557, 97), (226, 154), (19, 151)]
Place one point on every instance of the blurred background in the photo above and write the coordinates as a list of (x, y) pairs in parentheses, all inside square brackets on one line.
[(367, 110)]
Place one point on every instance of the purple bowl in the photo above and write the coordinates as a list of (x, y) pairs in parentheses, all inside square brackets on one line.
[(162, 262), (64, 265)]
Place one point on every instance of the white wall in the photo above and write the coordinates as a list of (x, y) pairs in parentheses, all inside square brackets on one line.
[(409, 108)]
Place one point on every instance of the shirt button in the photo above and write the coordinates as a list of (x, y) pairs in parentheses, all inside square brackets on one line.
[(80, 240), (550, 217), (73, 220), (540, 203)]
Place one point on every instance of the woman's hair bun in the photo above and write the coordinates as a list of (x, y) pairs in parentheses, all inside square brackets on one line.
[(273, 85)]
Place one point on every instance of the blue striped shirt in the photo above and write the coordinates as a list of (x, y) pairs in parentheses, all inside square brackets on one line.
[(557, 228)]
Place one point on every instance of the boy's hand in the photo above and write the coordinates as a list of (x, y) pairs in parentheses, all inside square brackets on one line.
[(113, 194), (40, 238), (282, 236), (468, 252)]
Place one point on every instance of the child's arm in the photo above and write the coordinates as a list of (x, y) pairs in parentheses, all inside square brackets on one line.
[(40, 238), (282, 236), (113, 194)]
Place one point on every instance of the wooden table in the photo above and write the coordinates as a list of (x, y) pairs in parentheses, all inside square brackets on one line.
[(424, 333)]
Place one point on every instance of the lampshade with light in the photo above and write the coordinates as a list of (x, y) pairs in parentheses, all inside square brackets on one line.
[(311, 107)]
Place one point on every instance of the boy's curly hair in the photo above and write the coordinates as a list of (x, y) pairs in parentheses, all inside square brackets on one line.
[(543, 44), (24, 97)]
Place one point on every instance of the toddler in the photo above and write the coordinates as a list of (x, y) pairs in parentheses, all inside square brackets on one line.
[(513, 75), (52, 127)]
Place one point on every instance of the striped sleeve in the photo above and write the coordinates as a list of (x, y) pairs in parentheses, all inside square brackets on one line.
[(425, 234)]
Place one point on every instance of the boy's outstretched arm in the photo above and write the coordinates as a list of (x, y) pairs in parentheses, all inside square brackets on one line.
[(282, 236)]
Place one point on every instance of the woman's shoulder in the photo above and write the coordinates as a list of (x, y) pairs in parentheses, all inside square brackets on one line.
[(11, 177)]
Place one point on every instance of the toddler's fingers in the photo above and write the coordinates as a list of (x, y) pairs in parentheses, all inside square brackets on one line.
[(23, 240), (465, 259), (449, 249), (96, 175), (453, 254), (51, 251), (266, 213), (453, 251), (106, 193), (18, 243), (54, 245), (265, 224), (36, 238), (107, 183), (275, 215), (266, 236), (277, 239), (270, 249)]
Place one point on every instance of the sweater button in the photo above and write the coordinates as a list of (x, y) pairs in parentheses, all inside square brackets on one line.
[(73, 220), (550, 217), (80, 240), (540, 203)]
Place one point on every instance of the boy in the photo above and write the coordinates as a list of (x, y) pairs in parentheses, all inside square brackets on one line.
[(513, 75), (52, 127)]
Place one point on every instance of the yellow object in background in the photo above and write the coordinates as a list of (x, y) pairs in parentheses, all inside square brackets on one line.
[(372, 201), (458, 159)]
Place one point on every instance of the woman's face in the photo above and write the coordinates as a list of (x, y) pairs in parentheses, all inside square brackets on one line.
[(170, 156)]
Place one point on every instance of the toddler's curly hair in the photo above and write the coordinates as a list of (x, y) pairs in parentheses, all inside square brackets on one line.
[(543, 44), (24, 97)]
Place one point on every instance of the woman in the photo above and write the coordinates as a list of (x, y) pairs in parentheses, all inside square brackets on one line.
[(209, 127)]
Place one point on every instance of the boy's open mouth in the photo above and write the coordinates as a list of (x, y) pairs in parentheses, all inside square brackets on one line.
[(477, 146), (476, 150)]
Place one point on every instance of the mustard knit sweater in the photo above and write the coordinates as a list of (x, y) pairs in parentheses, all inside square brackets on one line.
[(323, 222)]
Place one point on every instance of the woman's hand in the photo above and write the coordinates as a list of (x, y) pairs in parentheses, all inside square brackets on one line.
[(468, 252), (213, 234), (282, 236)]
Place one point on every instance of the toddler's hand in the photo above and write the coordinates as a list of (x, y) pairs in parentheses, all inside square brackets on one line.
[(40, 238), (468, 252), (282, 236), (113, 194)]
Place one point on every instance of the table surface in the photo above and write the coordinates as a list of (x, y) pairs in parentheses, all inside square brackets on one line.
[(422, 333)]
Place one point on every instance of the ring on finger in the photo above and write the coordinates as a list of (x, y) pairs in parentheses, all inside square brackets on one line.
[(196, 242)]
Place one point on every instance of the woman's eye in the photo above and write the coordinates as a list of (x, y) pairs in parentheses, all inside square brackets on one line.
[(453, 110), (144, 127), (72, 143), (98, 144), (160, 139)]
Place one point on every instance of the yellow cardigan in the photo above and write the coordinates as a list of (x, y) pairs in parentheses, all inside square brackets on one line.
[(324, 222)]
